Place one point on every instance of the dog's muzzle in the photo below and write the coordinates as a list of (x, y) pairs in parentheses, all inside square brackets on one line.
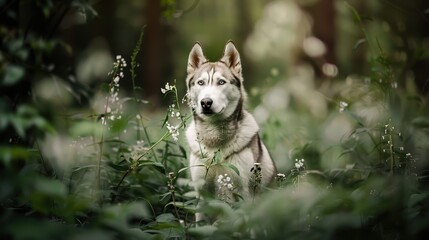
[(206, 104)]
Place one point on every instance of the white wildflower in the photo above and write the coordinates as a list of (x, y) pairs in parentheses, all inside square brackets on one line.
[(225, 187), (114, 105), (174, 131), (167, 88), (219, 178), (138, 148), (343, 106), (281, 175), (299, 163), (187, 99), (225, 181), (103, 121)]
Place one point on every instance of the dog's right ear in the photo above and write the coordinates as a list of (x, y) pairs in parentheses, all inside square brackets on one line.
[(196, 58)]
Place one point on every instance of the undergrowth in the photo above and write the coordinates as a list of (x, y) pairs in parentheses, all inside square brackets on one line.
[(109, 175)]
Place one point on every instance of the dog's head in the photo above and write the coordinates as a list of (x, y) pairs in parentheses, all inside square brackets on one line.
[(215, 88)]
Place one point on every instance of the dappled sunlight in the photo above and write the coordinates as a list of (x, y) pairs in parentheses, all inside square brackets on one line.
[(53, 90), (279, 32), (94, 63)]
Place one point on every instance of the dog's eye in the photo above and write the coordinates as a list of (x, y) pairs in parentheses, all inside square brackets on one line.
[(200, 82), (221, 82)]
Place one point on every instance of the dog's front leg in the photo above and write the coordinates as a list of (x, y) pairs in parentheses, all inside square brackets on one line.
[(198, 173)]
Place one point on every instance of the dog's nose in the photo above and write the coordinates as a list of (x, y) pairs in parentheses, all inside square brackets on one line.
[(206, 103)]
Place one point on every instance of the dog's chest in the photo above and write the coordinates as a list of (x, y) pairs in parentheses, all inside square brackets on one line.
[(209, 143)]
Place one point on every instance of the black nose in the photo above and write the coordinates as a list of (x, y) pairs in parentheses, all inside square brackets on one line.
[(206, 103)]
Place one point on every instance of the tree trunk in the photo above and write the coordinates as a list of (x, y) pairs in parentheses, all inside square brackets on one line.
[(152, 55), (323, 14)]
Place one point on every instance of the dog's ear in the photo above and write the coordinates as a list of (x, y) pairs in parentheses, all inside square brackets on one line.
[(231, 57), (196, 58)]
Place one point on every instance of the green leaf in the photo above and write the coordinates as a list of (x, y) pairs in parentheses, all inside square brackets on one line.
[(13, 74), (232, 167), (183, 151), (184, 169), (359, 43), (16, 47), (118, 167), (165, 218), (151, 163), (421, 122), (86, 128), (118, 125), (177, 204), (50, 187), (7, 154), (417, 198), (86, 167), (164, 196), (217, 157), (206, 230), (85, 8), (165, 121), (117, 216)]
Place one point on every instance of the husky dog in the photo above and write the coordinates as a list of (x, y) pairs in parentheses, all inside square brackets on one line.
[(221, 130)]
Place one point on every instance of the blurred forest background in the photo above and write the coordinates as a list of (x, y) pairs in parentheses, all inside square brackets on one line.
[(85, 153)]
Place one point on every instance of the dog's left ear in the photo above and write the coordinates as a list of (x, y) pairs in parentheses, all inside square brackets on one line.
[(231, 57)]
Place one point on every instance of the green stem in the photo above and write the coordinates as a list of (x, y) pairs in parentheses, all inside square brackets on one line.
[(98, 175), (166, 134), (133, 75), (392, 154), (173, 196), (148, 140), (360, 23)]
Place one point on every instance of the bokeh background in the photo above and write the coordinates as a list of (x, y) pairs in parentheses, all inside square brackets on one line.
[(338, 85)]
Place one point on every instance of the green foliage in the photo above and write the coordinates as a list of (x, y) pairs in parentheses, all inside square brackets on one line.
[(107, 174)]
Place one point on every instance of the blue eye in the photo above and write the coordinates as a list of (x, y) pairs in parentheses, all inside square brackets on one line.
[(200, 82), (221, 82)]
